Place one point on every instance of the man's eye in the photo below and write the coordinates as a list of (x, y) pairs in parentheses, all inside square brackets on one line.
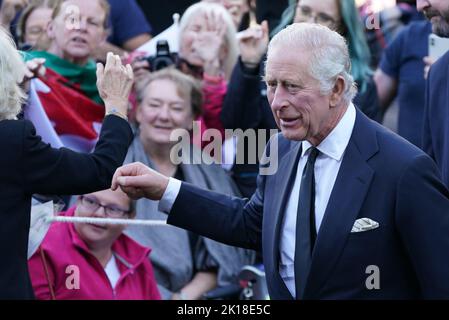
[(271, 84), (291, 86)]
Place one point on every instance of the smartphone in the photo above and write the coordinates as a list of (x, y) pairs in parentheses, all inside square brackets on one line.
[(437, 46)]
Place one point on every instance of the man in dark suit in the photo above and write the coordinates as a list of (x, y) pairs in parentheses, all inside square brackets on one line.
[(29, 166), (436, 112), (353, 210)]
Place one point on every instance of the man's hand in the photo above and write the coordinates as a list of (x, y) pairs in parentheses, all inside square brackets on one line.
[(253, 43), (138, 181), (9, 10), (114, 82)]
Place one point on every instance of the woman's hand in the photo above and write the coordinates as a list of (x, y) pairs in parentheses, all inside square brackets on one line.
[(34, 68), (141, 70), (114, 82), (253, 43), (210, 42)]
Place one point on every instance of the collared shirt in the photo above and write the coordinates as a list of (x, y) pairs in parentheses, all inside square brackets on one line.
[(327, 166)]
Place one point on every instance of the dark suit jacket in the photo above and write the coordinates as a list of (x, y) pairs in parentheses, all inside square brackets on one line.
[(382, 177), (436, 116), (28, 166)]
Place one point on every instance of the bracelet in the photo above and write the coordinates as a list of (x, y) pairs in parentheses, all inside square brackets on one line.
[(117, 113)]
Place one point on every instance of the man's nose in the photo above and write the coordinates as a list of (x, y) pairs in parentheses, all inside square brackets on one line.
[(279, 100), (422, 4)]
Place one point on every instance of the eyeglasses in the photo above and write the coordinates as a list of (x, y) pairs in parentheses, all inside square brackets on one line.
[(305, 13), (93, 205)]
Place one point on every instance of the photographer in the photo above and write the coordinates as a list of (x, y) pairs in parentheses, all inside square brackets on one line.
[(208, 52)]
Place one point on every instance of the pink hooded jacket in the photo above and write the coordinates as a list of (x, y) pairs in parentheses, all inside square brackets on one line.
[(76, 274)]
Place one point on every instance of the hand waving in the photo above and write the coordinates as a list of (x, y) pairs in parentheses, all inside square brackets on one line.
[(114, 82), (253, 43)]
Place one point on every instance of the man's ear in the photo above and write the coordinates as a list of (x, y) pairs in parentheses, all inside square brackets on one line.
[(337, 92)]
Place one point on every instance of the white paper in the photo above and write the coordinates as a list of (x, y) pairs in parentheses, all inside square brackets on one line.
[(39, 225)]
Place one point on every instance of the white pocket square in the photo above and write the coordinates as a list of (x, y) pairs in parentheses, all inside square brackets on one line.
[(364, 224)]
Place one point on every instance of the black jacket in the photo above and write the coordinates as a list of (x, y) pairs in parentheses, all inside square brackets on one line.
[(28, 166)]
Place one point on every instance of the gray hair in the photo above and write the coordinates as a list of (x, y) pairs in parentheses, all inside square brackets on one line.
[(12, 71), (230, 35), (329, 55)]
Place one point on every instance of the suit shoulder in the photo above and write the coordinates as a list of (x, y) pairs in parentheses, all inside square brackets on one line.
[(396, 149)]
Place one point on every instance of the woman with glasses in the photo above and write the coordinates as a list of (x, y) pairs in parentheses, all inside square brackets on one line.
[(93, 262)]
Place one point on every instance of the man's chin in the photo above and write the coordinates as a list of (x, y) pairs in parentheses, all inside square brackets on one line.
[(441, 28)]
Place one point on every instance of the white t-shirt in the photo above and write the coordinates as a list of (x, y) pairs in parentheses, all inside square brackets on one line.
[(112, 271)]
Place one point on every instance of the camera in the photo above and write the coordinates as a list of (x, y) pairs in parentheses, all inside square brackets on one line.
[(163, 58)]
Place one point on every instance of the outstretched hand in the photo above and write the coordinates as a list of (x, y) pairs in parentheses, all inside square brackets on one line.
[(138, 181)]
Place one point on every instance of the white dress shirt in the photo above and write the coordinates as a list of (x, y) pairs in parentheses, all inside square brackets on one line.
[(327, 165)]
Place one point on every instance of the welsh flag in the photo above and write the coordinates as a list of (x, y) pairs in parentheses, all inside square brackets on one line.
[(62, 112)]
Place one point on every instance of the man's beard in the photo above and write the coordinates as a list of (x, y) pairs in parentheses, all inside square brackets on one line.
[(440, 22)]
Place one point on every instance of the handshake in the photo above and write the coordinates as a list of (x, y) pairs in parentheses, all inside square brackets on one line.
[(138, 181)]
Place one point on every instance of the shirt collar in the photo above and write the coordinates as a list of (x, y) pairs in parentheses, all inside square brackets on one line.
[(334, 145)]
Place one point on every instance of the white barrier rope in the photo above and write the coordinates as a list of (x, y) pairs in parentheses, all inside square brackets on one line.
[(108, 221)]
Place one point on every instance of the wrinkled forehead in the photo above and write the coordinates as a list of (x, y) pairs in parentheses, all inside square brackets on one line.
[(287, 60)]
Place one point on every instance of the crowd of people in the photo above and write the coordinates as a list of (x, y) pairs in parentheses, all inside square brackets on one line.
[(79, 99)]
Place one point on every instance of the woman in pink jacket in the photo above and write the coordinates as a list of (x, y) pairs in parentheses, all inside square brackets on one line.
[(93, 262)]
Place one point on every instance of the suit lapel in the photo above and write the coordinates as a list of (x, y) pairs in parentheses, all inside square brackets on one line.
[(283, 183), (348, 194)]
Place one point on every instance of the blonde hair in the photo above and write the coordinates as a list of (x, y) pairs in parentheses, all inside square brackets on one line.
[(12, 72), (230, 35)]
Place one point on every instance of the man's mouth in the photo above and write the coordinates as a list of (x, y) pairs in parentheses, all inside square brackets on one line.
[(79, 40), (290, 122)]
